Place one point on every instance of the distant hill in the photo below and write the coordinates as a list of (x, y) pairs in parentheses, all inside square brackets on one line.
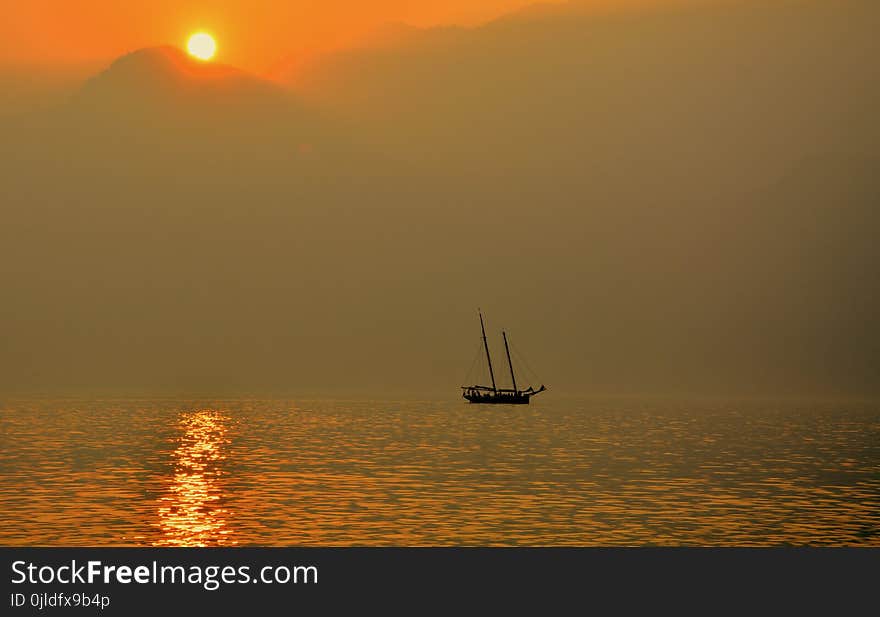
[(157, 112), (145, 79), (565, 82), (162, 92)]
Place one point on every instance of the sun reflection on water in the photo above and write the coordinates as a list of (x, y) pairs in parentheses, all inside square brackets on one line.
[(421, 473), (191, 513)]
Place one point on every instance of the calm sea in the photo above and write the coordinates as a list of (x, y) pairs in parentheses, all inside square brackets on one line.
[(559, 472)]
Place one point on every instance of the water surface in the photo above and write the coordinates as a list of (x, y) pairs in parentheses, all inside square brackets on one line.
[(558, 472)]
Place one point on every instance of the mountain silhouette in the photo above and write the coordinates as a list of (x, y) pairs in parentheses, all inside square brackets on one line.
[(168, 75), (155, 77), (159, 111), (570, 83)]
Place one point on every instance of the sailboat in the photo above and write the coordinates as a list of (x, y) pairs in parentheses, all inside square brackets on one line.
[(494, 394)]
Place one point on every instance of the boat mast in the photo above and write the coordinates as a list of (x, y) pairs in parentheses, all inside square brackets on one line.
[(509, 363), (488, 357)]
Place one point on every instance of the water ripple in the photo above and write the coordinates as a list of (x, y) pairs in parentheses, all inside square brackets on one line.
[(273, 472)]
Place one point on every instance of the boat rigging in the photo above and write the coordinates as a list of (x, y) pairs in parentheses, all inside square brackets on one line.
[(494, 395)]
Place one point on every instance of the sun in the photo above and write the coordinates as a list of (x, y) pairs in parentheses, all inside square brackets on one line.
[(201, 45)]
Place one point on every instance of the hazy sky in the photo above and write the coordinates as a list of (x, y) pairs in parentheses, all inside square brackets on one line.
[(657, 201), (253, 34)]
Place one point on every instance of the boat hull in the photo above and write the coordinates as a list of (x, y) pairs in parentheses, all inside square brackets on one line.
[(497, 399)]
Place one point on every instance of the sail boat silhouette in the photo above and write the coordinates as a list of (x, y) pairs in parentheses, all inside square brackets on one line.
[(494, 394)]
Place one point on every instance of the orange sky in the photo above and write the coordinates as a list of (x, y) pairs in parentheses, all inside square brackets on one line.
[(253, 34)]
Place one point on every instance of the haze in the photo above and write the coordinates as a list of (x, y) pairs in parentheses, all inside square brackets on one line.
[(671, 198)]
